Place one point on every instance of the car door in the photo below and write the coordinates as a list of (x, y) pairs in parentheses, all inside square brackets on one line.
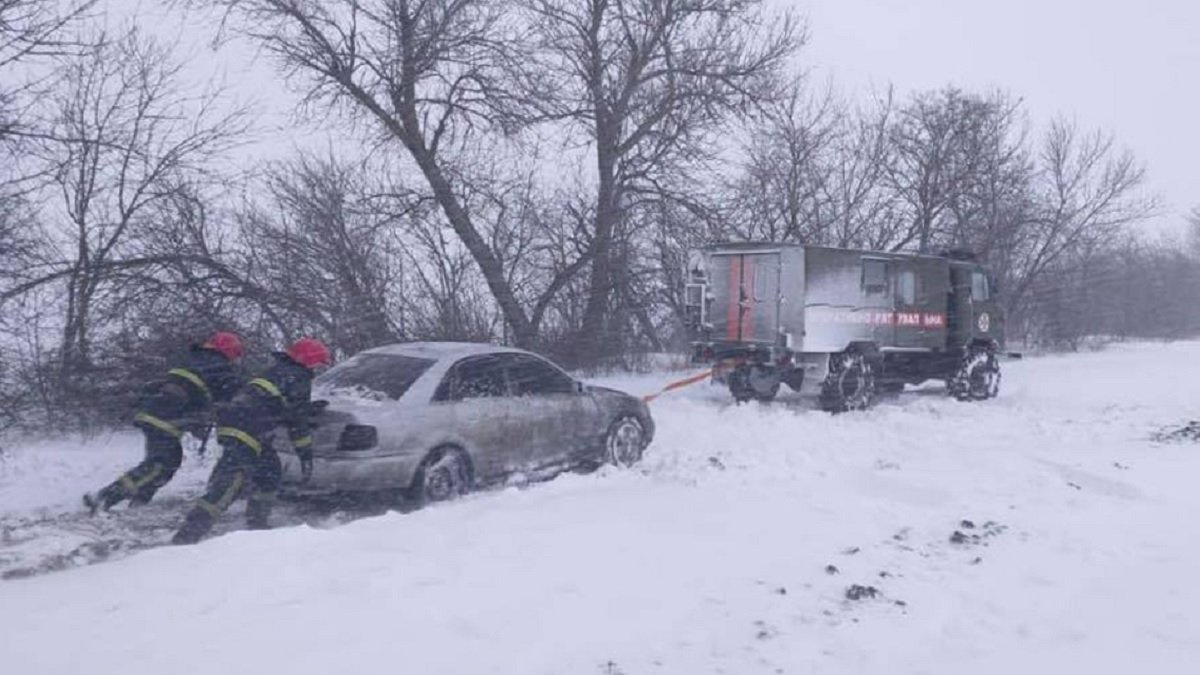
[(482, 412), (556, 417)]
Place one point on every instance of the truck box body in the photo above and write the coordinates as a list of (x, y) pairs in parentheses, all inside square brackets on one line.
[(784, 301)]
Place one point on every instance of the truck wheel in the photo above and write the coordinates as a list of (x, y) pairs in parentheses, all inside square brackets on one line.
[(850, 384), (747, 383), (978, 377)]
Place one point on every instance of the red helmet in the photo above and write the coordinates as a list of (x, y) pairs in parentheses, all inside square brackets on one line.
[(227, 343), (310, 353)]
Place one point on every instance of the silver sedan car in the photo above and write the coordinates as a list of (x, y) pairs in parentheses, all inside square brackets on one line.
[(437, 419)]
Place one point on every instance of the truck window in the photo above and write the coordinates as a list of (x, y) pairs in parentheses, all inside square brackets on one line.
[(979, 286), (875, 277), (906, 287)]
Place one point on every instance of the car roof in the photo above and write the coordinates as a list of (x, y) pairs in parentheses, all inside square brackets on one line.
[(442, 350)]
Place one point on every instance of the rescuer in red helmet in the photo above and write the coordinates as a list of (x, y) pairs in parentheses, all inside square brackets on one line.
[(181, 402), (281, 396)]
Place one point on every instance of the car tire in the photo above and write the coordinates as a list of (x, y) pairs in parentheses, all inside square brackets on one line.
[(625, 441), (444, 475)]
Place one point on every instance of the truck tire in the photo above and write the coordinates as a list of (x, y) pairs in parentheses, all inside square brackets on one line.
[(754, 383), (850, 384), (978, 376)]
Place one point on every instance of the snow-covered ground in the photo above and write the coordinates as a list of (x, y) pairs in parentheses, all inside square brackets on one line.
[(1044, 532)]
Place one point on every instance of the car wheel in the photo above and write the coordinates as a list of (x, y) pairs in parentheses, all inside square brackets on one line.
[(625, 442), (444, 475)]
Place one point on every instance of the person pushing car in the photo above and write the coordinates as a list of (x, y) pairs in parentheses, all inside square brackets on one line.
[(180, 402), (280, 396)]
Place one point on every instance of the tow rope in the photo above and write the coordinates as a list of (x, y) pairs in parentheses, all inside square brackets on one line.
[(687, 381)]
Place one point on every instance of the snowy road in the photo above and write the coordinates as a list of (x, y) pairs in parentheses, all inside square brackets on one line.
[(1043, 532)]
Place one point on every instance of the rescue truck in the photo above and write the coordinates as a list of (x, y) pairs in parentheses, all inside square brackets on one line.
[(842, 324)]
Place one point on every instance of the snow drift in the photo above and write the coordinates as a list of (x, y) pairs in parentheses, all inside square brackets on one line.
[(1044, 531)]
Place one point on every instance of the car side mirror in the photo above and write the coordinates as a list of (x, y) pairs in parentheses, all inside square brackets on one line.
[(580, 387)]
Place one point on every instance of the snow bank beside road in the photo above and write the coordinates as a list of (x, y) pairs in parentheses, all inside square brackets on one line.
[(730, 551)]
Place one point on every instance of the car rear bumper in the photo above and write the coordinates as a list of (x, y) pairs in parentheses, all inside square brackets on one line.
[(354, 472)]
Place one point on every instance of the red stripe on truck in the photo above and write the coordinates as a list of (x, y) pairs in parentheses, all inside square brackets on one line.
[(746, 307)]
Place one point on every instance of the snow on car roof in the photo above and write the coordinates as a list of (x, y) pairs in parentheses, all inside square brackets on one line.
[(440, 350)]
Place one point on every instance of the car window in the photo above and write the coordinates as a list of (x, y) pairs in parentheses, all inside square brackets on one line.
[(475, 377), (979, 286), (875, 277), (531, 376), (376, 376)]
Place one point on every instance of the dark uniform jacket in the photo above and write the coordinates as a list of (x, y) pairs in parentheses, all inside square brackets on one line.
[(280, 396), (183, 400)]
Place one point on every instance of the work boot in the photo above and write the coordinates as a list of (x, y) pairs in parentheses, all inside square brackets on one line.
[(258, 511), (142, 497), (104, 499), (195, 526), (92, 502)]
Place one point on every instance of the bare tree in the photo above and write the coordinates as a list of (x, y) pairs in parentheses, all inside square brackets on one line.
[(817, 173), (122, 139), (20, 240), (1087, 194), (322, 247), (432, 75), (31, 30), (861, 209), (442, 277), (783, 191), (649, 82), (941, 142)]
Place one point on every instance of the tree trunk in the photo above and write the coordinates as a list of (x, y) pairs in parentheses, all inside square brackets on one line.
[(589, 348), (523, 331)]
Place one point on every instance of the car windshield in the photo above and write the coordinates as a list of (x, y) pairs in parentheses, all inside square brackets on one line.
[(374, 376)]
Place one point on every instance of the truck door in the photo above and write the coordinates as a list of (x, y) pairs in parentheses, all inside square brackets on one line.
[(876, 304), (987, 320), (909, 308), (745, 287), (961, 318)]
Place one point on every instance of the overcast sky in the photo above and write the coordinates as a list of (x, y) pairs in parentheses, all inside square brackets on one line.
[(1132, 68)]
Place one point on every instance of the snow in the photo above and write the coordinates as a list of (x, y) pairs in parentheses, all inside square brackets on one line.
[(713, 557), (441, 350), (46, 477)]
